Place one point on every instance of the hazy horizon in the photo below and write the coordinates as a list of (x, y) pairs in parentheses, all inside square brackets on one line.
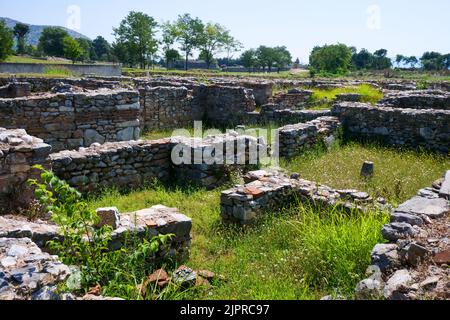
[(401, 26)]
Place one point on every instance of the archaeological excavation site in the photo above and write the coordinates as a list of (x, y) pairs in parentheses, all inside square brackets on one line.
[(229, 206), (297, 156)]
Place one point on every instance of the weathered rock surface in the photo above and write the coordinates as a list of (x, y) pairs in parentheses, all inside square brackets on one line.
[(25, 269)]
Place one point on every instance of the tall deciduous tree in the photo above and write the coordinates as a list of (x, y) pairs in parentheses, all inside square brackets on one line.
[(334, 59), (102, 48), (72, 49), (189, 33), (169, 36), (249, 59), (51, 41), (231, 45), (283, 57), (137, 33), (213, 40), (20, 31), (6, 41)]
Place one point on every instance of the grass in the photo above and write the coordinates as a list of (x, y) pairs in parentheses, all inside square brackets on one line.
[(300, 252), (304, 253), (26, 59), (369, 94), (59, 72), (399, 174), (214, 73)]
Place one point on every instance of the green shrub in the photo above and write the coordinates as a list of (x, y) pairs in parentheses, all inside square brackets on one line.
[(87, 247)]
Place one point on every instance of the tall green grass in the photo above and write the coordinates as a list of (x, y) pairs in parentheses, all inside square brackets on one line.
[(399, 174), (297, 253), (369, 94)]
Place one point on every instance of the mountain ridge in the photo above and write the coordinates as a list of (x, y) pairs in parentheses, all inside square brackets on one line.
[(36, 30)]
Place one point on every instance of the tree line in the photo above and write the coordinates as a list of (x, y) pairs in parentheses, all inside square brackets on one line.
[(340, 59)]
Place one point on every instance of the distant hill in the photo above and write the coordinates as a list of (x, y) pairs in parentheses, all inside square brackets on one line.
[(36, 31)]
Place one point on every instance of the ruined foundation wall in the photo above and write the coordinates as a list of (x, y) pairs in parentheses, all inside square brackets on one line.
[(228, 105), (18, 153), (117, 164), (429, 129), (294, 139), (165, 108), (69, 121), (438, 100), (46, 84)]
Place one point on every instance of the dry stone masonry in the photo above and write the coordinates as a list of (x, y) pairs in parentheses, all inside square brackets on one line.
[(18, 153), (273, 190), (132, 164), (431, 99), (414, 263), (294, 139), (68, 121), (427, 128), (29, 273)]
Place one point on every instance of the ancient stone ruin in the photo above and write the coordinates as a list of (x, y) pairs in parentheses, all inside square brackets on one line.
[(414, 263), (88, 132)]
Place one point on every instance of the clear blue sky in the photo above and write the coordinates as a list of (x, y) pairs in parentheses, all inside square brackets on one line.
[(409, 27)]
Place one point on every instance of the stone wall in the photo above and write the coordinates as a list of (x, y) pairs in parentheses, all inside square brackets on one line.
[(294, 139), (68, 121), (429, 129), (164, 108), (18, 153), (15, 90), (293, 99), (117, 164), (271, 113), (227, 106), (28, 272), (417, 100), (134, 163), (98, 69), (414, 264), (46, 84), (272, 190), (212, 161)]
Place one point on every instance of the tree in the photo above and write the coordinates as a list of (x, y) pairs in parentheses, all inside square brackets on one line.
[(446, 61), (88, 49), (72, 49), (432, 61), (101, 48), (381, 61), (399, 59), (334, 59), (249, 59), (170, 57), (6, 41), (283, 57), (120, 53), (169, 36), (20, 31), (51, 41), (189, 33), (362, 59), (213, 40), (137, 33), (412, 61), (266, 57), (231, 45)]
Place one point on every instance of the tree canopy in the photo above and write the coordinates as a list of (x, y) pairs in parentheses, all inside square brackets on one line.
[(334, 59), (51, 41), (20, 31), (136, 34), (6, 41)]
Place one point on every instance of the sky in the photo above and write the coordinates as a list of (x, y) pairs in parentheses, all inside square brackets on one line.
[(408, 27)]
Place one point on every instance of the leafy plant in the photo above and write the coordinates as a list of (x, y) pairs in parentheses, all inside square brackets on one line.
[(88, 247)]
